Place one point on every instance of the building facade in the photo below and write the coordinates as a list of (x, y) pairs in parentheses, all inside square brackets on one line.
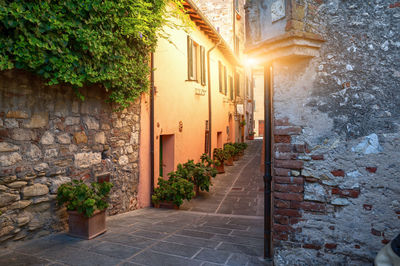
[(335, 82), (194, 97)]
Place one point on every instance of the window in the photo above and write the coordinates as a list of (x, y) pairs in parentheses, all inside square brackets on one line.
[(196, 62), (237, 84), (225, 85), (202, 66), (222, 75), (231, 88)]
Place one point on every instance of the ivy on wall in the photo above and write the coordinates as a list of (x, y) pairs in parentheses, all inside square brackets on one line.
[(83, 42)]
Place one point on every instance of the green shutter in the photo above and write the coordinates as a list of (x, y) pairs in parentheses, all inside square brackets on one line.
[(190, 57)]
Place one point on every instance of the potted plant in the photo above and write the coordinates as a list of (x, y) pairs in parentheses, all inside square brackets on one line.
[(172, 192), (220, 156), (86, 207), (241, 146), (251, 135), (230, 150)]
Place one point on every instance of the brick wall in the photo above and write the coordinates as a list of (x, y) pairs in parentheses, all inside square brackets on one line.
[(49, 137)]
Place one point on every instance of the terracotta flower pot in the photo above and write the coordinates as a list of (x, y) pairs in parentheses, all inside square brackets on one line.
[(166, 205), (236, 157), (241, 153), (86, 227), (220, 168), (196, 191), (251, 137), (229, 162)]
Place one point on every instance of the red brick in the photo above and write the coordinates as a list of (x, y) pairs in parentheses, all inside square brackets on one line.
[(283, 228), (282, 204), (312, 246), (311, 179), (282, 147), (350, 193), (288, 188), (282, 122), (295, 220), (280, 236), (282, 172), (367, 207), (282, 139), (397, 4), (281, 219), (371, 169), (308, 206), (288, 212), (338, 172), (376, 232), (300, 148), (287, 131), (289, 164), (385, 241), (317, 157), (330, 246), (288, 180), (289, 196), (285, 156)]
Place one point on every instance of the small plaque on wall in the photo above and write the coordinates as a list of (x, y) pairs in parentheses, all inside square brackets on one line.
[(278, 10)]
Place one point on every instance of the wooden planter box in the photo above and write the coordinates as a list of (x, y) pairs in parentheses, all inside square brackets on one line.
[(229, 162), (84, 227), (220, 168), (166, 205)]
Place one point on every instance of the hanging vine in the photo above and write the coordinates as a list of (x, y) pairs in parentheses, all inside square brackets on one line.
[(83, 42)]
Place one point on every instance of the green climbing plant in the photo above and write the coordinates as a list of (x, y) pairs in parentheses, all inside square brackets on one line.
[(82, 42)]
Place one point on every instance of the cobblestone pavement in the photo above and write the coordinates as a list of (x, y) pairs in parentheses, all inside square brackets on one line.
[(222, 228)]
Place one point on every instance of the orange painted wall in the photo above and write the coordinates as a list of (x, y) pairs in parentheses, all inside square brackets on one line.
[(176, 99)]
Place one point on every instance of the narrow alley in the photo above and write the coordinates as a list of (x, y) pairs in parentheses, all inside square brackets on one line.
[(223, 227)]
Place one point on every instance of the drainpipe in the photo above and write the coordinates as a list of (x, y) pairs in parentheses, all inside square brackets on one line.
[(152, 90), (209, 98), (268, 252)]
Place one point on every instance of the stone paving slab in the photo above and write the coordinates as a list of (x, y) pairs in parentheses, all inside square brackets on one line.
[(213, 235)]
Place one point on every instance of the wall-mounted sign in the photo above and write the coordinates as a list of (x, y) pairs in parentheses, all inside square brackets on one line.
[(200, 92), (278, 10), (239, 109)]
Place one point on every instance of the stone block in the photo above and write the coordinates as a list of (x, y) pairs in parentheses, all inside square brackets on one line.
[(47, 138), (11, 123), (87, 159), (69, 121), (38, 120), (17, 114), (50, 153), (123, 160), (80, 137), (20, 204), (64, 138), (6, 230), (8, 147), (314, 192), (17, 184), (41, 167), (22, 134), (10, 159), (35, 190), (7, 198), (100, 138), (91, 123), (34, 153)]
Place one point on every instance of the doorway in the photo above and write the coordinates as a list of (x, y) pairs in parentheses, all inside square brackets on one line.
[(167, 154)]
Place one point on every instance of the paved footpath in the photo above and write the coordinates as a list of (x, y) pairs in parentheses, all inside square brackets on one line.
[(224, 227)]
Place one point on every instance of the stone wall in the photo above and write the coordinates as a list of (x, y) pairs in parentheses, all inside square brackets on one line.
[(336, 135), (48, 137)]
